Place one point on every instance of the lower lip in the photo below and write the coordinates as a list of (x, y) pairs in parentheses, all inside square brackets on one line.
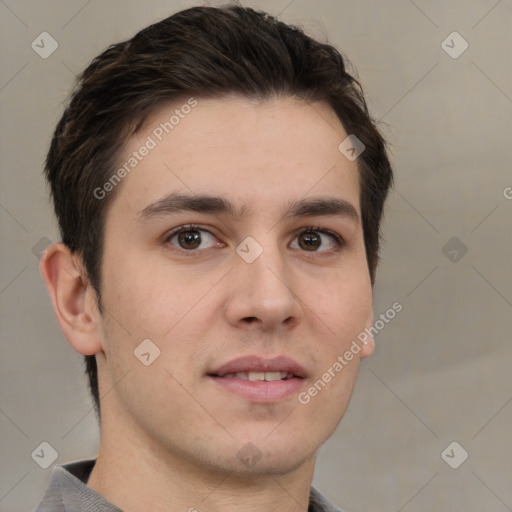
[(261, 391)]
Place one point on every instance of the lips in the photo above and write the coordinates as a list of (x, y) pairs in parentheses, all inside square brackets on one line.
[(252, 368), (260, 380)]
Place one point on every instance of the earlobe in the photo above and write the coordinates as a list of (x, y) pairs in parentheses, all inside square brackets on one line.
[(368, 344), (70, 292)]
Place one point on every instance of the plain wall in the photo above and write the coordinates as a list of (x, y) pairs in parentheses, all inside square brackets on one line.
[(441, 371)]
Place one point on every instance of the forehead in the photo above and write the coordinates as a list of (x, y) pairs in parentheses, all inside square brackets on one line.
[(257, 154)]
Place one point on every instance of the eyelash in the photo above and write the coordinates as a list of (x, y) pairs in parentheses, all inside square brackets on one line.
[(338, 239)]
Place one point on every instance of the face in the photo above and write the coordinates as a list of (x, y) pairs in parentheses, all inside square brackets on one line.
[(265, 278)]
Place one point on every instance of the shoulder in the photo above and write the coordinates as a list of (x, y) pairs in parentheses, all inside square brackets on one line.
[(68, 491), (319, 503)]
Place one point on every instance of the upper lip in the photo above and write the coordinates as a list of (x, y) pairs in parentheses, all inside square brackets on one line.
[(255, 363)]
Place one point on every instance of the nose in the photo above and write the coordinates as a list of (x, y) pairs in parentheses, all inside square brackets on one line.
[(262, 295)]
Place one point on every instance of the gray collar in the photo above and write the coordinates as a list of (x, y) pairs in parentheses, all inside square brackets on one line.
[(68, 492)]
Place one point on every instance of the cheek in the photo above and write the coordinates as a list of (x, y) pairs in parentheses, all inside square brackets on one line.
[(137, 294), (344, 305), (155, 301)]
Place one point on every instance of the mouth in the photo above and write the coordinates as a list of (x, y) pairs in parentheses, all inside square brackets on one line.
[(260, 380), (259, 376)]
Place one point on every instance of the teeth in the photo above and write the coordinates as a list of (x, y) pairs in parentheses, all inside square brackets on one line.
[(270, 376), (258, 376)]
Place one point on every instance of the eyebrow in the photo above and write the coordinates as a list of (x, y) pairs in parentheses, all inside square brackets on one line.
[(176, 203)]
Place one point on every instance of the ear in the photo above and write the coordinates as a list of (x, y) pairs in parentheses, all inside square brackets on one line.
[(368, 345), (73, 298)]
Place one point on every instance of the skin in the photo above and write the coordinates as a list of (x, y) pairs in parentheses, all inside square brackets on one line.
[(169, 435)]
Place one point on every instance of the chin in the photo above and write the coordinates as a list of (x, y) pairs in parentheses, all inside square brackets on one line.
[(255, 459), (272, 466), (264, 457)]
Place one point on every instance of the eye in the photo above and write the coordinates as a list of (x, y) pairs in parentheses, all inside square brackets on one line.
[(311, 239), (190, 238)]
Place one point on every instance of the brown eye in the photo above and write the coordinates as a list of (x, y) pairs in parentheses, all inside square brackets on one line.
[(190, 238), (309, 240), (319, 240)]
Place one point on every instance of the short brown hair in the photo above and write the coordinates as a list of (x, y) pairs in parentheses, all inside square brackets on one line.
[(200, 52)]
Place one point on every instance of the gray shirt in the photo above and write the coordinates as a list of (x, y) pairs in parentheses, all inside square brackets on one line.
[(68, 492)]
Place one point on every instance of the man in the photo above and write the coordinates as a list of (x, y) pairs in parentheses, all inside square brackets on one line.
[(219, 186)]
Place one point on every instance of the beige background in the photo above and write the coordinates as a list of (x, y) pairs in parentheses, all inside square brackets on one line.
[(442, 368)]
